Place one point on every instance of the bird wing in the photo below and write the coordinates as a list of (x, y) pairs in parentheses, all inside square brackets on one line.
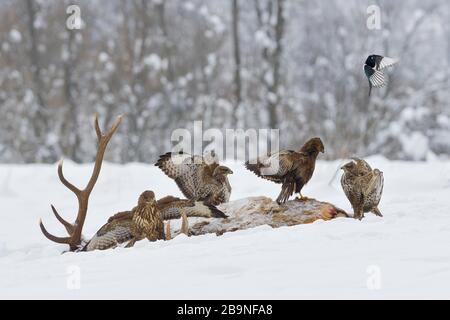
[(187, 171), (385, 62), (123, 215), (283, 162), (176, 165), (352, 186), (110, 235), (172, 208), (347, 185), (375, 186), (344, 185), (376, 78)]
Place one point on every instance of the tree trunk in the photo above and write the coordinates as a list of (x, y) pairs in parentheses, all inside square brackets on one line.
[(237, 60), (70, 123), (276, 63), (40, 124)]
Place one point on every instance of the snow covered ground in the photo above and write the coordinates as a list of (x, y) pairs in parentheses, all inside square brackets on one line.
[(406, 254)]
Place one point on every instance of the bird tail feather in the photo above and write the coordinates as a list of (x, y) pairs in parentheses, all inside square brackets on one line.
[(287, 189), (377, 212)]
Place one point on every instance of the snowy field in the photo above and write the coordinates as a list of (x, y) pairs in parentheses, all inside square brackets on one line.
[(406, 254)]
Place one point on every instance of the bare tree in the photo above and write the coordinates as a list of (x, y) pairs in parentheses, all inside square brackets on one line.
[(272, 54), (40, 126), (237, 85)]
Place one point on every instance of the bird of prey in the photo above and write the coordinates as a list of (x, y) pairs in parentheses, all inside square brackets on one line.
[(197, 178), (362, 186), (119, 228), (293, 169), (373, 70), (173, 208), (147, 221), (144, 221)]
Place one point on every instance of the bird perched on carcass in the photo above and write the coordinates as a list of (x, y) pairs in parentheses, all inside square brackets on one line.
[(293, 169), (373, 70), (197, 178), (121, 226), (362, 186), (144, 221), (173, 208)]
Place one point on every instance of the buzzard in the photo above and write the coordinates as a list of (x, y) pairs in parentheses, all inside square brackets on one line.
[(197, 178), (144, 221), (293, 169), (173, 208), (147, 221), (362, 186), (120, 227)]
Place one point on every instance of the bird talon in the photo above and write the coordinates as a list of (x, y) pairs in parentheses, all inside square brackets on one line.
[(300, 197)]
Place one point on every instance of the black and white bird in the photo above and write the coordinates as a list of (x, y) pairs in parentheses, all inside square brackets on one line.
[(373, 69)]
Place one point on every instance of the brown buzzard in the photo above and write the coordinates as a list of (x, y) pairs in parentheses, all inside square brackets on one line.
[(198, 179), (144, 221), (120, 227), (173, 208), (147, 221), (293, 169), (362, 186)]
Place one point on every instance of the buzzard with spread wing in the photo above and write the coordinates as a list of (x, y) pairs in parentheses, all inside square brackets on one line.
[(293, 169), (198, 179), (363, 187), (144, 221), (121, 227)]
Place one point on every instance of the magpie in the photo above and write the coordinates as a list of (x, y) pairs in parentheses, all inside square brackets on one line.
[(373, 66)]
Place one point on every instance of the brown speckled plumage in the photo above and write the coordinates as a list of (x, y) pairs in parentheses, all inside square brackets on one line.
[(295, 168), (198, 179), (362, 186), (126, 225), (147, 222), (144, 221), (172, 208)]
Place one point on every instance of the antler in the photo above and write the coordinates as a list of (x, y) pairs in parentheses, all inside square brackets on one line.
[(74, 230)]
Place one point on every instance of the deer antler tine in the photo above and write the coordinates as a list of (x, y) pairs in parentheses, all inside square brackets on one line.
[(114, 126), (97, 127), (49, 236), (69, 227), (64, 180)]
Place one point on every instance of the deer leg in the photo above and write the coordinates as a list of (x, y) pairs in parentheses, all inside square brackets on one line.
[(184, 224)]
